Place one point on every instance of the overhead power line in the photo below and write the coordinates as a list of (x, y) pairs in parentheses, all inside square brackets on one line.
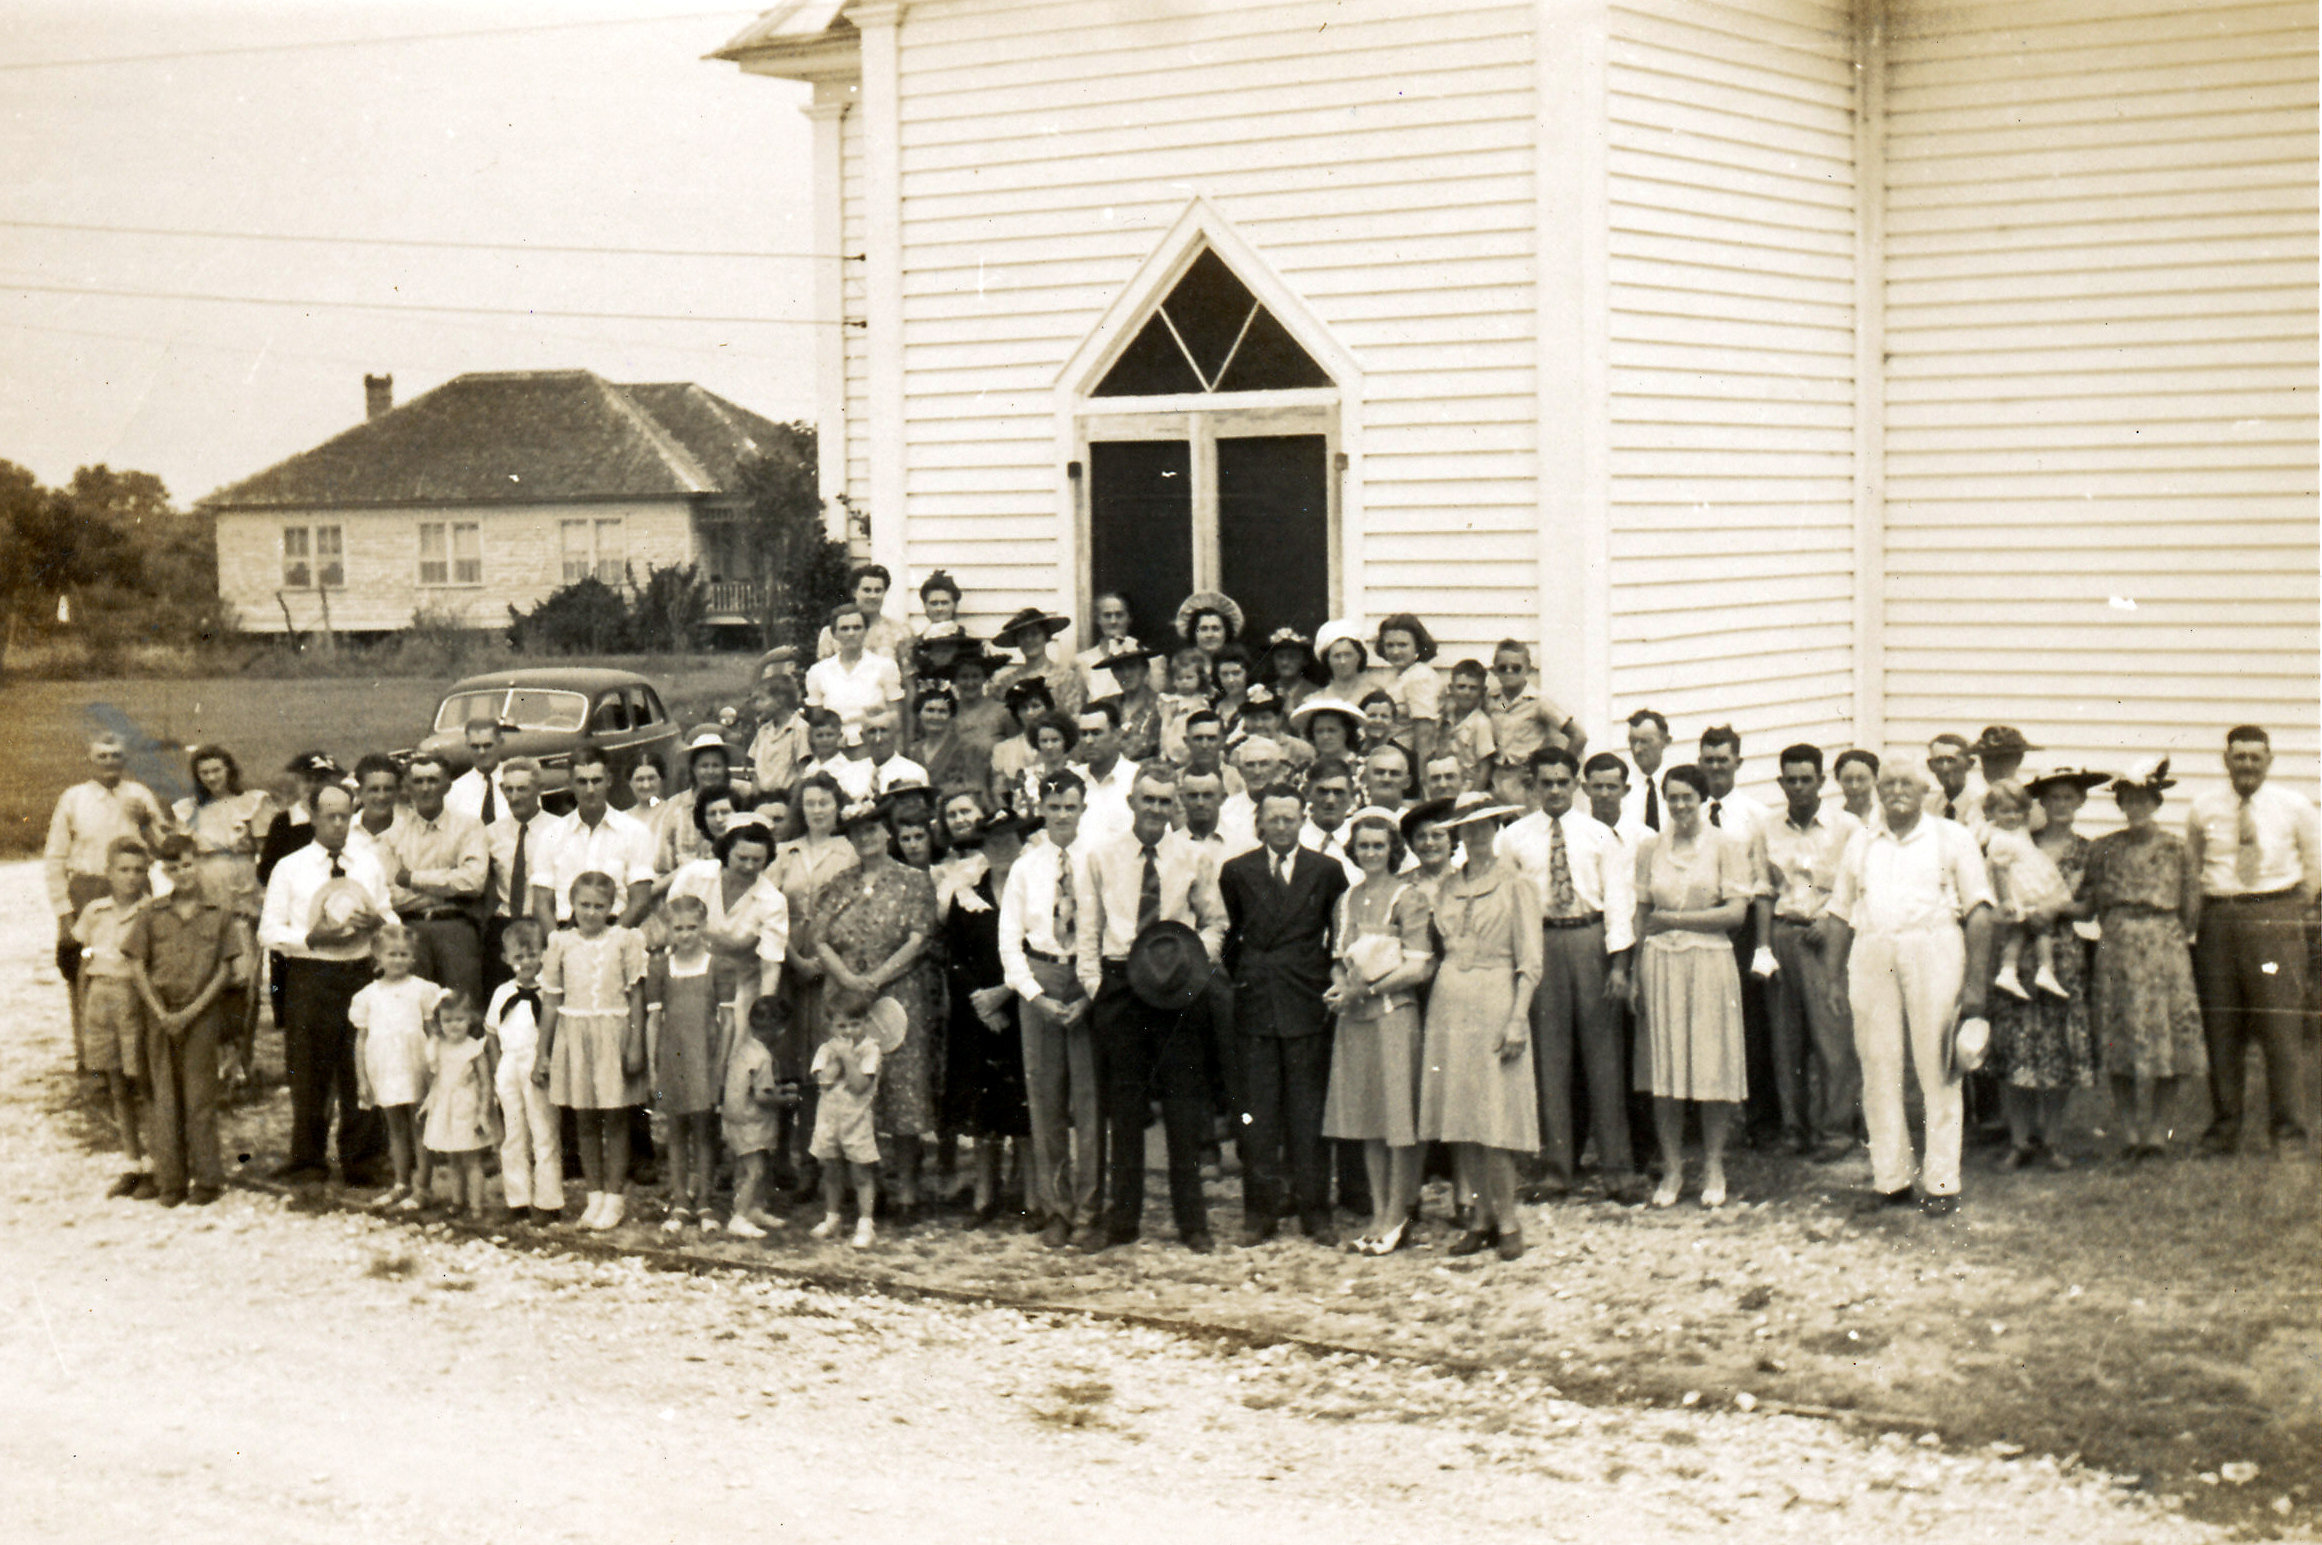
[(414, 241), (408, 37), (11, 286)]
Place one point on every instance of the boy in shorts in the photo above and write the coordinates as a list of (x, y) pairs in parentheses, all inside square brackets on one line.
[(112, 1021)]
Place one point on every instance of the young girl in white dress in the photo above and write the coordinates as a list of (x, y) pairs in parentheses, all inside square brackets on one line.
[(391, 1018), (2029, 887), (592, 1040), (460, 1120)]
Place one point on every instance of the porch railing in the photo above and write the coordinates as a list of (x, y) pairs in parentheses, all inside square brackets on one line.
[(741, 599)]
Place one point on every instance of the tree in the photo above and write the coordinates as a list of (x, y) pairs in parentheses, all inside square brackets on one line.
[(805, 572)]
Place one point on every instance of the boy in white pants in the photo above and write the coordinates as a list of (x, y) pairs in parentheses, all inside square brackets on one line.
[(531, 1158)]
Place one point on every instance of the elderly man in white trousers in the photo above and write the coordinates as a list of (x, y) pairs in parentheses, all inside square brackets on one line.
[(1909, 926)]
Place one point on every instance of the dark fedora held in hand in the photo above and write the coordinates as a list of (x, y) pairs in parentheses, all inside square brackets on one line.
[(1168, 968)]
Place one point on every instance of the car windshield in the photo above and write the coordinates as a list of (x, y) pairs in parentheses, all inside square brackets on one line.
[(460, 707), (530, 708)]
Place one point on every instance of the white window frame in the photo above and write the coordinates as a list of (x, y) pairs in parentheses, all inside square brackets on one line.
[(314, 558), (601, 549), (457, 561)]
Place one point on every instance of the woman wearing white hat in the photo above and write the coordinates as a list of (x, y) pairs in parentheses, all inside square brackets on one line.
[(1476, 1089), (2146, 894)]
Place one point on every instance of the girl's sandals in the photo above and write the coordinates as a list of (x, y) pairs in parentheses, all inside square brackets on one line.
[(394, 1198), (1392, 1240), (677, 1220)]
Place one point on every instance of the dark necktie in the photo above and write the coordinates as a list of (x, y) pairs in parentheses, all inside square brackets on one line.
[(1149, 889), (1717, 812), (1950, 808), (1652, 805), (529, 995), (491, 801), (516, 876), (2246, 857), (338, 868)]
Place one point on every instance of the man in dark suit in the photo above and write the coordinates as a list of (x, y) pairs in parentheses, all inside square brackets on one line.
[(1279, 899)]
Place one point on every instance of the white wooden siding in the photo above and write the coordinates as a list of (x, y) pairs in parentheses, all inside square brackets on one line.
[(2100, 312), (1732, 273), (852, 309), (1378, 155)]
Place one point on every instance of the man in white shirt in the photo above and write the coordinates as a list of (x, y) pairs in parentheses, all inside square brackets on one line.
[(890, 768), (1909, 926), (1443, 776), (1956, 793), (1262, 765), (2253, 844), (1741, 817), (514, 852), (1604, 778), (1108, 774), (1149, 874), (1386, 777), (825, 738), (595, 838), (1586, 879), (438, 865), (1648, 746), (1039, 944), (325, 962), (1330, 798), (1816, 1074), (81, 831), (478, 793)]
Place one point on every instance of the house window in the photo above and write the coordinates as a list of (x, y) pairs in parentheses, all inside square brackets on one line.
[(312, 557), (593, 547), (451, 552), (1210, 335)]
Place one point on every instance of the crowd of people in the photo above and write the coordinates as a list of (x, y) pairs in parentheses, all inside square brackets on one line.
[(947, 920)]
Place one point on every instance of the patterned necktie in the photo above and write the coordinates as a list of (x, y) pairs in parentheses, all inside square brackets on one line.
[(2245, 848), (516, 877), (1652, 805), (1149, 888), (1563, 900), (1065, 920)]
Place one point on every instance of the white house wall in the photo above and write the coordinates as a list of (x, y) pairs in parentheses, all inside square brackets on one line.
[(1731, 265), (852, 240), (523, 558), (1379, 159), (2100, 311)]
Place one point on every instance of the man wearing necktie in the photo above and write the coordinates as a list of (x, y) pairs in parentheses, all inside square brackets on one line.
[(1648, 745), (325, 963), (1279, 901), (480, 793), (509, 841), (2254, 847), (1039, 944), (1741, 817), (1146, 875)]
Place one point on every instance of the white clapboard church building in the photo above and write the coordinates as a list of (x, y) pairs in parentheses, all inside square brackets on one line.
[(1846, 372)]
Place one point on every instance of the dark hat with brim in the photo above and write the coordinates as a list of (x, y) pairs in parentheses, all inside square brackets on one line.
[(2000, 740), (2078, 777), (1432, 812), (1168, 967), (315, 764), (1032, 619), (1128, 657)]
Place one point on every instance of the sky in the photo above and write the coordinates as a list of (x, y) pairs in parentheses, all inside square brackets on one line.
[(582, 123)]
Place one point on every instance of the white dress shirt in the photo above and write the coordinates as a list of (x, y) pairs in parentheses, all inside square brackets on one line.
[(501, 838), (620, 846), (1929, 878), (896, 772), (1237, 823), (290, 896), (1330, 845), (1028, 913), (852, 776), (1115, 872), (2287, 850), (1107, 813), (853, 694), (1633, 802), (1604, 869), (466, 795)]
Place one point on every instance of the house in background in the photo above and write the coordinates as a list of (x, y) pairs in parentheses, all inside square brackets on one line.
[(1845, 370), (491, 491)]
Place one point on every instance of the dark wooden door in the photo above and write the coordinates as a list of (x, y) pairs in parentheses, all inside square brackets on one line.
[(1273, 530), (1141, 529)]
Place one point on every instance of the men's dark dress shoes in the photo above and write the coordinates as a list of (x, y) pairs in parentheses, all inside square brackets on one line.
[(1202, 1243), (1319, 1229), (1474, 1242), (1096, 1237), (1258, 1231), (1880, 1201), (1056, 1235)]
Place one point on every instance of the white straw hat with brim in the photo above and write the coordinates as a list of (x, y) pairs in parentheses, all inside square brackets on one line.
[(706, 737), (1208, 601), (1476, 806), (1340, 630)]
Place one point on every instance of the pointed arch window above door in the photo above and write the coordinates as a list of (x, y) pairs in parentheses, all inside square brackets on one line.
[(1210, 335)]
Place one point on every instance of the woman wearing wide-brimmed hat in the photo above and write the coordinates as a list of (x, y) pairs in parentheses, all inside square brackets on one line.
[(2041, 1048), (1208, 620), (1032, 634), (2143, 889), (1476, 1088)]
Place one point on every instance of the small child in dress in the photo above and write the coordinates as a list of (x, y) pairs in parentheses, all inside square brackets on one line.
[(687, 1029), (112, 1023), (391, 1018), (461, 1122), (846, 1067), (1470, 727), (1189, 693), (755, 1097), (531, 1151), (2029, 888), (592, 1040)]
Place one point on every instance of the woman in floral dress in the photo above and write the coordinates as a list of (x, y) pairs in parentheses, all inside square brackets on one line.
[(2148, 1020), (2041, 1049), (871, 934)]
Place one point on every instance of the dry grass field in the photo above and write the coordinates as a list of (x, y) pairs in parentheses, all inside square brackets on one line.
[(44, 725)]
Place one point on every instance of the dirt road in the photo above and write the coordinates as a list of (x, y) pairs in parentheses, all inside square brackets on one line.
[(251, 1373)]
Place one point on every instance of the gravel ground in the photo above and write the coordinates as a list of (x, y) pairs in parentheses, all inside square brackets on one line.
[(255, 1372)]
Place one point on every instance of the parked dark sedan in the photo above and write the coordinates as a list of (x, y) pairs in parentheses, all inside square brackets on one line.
[(546, 713)]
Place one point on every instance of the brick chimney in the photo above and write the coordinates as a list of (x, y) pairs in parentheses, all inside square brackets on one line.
[(378, 396)]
